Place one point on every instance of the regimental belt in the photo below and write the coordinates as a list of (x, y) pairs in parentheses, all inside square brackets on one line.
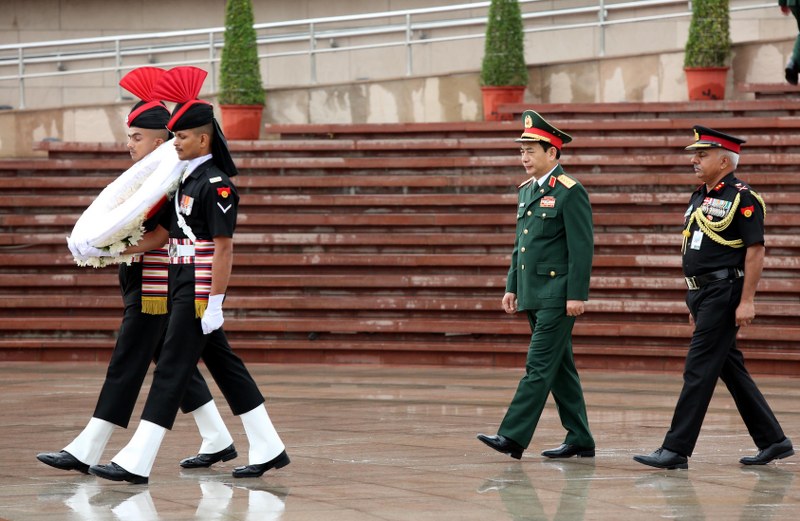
[(201, 254)]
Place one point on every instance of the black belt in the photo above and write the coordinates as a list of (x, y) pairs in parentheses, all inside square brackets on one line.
[(699, 281)]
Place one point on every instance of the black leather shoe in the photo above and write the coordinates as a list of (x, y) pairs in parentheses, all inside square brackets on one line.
[(63, 460), (780, 450), (206, 460), (664, 459), (114, 472), (791, 71), (255, 471), (503, 444), (567, 451)]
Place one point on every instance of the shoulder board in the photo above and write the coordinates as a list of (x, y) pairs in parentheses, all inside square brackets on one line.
[(741, 187), (567, 181), (526, 182)]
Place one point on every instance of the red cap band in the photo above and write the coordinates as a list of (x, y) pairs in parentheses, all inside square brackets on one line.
[(730, 145), (553, 140)]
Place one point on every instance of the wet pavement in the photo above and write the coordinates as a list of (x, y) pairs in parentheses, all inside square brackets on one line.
[(398, 443)]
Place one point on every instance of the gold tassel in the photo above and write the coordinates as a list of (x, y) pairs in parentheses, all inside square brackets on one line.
[(200, 308), (154, 305)]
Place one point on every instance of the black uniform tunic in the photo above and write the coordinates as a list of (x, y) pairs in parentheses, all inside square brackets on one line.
[(208, 201), (713, 353), (138, 342)]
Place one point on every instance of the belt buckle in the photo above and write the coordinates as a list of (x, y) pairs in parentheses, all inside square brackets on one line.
[(172, 251), (692, 283)]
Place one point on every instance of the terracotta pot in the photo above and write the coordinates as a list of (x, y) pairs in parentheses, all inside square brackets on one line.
[(241, 121), (494, 96), (706, 83)]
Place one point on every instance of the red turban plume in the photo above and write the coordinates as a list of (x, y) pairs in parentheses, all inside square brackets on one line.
[(180, 84), (142, 81)]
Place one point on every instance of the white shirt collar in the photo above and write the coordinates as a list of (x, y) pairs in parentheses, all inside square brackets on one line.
[(194, 163)]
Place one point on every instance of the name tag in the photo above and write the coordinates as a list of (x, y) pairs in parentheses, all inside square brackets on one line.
[(697, 239)]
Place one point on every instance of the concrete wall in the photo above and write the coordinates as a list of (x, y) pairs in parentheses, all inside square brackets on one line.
[(22, 21), (449, 97)]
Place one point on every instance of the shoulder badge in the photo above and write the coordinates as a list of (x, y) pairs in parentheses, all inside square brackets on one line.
[(741, 187), (526, 182), (567, 181), (214, 179)]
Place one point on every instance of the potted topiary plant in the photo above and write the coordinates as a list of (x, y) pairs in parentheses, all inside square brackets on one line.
[(708, 48), (241, 95), (504, 74)]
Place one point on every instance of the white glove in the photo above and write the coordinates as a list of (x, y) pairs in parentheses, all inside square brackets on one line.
[(73, 249), (86, 250), (212, 318)]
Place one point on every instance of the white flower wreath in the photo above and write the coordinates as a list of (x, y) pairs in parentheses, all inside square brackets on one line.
[(115, 219)]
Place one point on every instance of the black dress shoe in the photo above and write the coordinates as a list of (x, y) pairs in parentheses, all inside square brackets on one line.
[(503, 444), (664, 459), (567, 451), (255, 471), (63, 460), (206, 460), (114, 472), (780, 450), (791, 71)]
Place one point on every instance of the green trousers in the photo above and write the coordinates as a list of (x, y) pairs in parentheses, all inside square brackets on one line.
[(796, 51), (549, 368)]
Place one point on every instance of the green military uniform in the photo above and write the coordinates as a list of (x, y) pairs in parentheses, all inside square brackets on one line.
[(550, 264), (793, 65)]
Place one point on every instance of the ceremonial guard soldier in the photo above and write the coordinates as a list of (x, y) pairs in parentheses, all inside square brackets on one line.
[(199, 230), (549, 280), (723, 255), (143, 283)]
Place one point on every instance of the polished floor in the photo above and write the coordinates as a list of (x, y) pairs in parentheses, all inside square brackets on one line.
[(398, 443)]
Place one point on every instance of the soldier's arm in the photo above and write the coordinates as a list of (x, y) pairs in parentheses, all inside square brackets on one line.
[(753, 264)]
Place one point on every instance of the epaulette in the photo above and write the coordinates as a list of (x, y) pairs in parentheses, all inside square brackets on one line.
[(526, 182), (567, 181)]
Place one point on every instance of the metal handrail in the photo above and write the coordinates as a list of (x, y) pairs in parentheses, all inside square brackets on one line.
[(211, 39)]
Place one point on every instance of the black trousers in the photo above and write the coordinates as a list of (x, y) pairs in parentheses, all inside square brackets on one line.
[(713, 354), (184, 345), (138, 342)]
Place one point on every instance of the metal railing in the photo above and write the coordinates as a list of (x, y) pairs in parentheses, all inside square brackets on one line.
[(406, 28)]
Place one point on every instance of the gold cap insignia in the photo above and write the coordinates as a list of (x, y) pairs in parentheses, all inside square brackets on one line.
[(528, 121), (696, 135)]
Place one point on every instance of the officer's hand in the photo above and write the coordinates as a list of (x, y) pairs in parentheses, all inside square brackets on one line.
[(745, 313), (73, 249), (212, 318), (785, 10), (575, 308), (87, 250), (510, 303)]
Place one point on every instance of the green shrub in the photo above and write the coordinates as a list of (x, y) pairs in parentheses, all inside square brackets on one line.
[(504, 54), (240, 76), (709, 41)]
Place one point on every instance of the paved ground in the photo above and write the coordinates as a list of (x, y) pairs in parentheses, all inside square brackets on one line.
[(398, 443)]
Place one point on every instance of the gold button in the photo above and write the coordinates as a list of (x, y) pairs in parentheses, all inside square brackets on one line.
[(529, 212), (523, 266), (552, 273), (522, 249), (525, 231), (544, 214)]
